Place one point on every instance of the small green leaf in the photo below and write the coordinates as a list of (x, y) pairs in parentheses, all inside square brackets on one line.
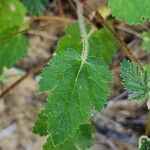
[(146, 41), (101, 42), (36, 7), (13, 48), (12, 13), (134, 80), (40, 126), (71, 39), (144, 143), (131, 11), (81, 140), (73, 92), (103, 45)]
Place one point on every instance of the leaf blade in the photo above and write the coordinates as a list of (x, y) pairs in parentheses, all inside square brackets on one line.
[(134, 13), (12, 14), (134, 80), (70, 97), (13, 49)]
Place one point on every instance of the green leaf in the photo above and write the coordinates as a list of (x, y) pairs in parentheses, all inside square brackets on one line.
[(144, 143), (147, 68), (36, 7), (81, 140), (73, 92), (40, 126), (12, 13), (134, 80), (71, 39), (102, 44), (131, 11), (12, 50), (146, 41)]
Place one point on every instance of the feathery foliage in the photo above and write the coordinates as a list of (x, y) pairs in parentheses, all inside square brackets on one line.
[(134, 80)]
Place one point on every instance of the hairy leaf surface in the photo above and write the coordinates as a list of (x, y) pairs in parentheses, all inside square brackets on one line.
[(81, 140), (101, 42), (103, 45), (71, 39), (134, 80), (73, 92), (130, 11)]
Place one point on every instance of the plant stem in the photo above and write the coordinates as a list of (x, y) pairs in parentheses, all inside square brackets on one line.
[(46, 18), (121, 43), (53, 18), (129, 30), (83, 31)]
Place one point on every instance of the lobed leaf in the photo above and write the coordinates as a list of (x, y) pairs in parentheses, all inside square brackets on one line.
[(131, 11), (134, 80), (13, 48), (74, 90)]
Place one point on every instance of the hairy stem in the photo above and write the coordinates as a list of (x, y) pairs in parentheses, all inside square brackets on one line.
[(83, 31)]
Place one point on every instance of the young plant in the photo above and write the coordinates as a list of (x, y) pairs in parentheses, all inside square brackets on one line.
[(77, 80)]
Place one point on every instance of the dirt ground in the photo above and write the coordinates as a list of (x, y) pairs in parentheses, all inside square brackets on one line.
[(118, 127)]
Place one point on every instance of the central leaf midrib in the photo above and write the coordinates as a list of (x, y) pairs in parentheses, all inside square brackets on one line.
[(71, 92), (73, 89)]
